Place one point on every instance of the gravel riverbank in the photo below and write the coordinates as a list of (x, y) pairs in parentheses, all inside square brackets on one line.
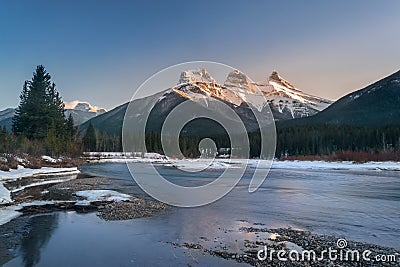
[(63, 196), (294, 244)]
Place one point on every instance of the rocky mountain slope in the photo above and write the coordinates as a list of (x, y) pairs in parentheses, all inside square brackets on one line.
[(377, 104), (82, 111), (238, 92)]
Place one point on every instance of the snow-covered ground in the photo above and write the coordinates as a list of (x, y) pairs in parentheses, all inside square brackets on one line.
[(48, 175), (5, 196), (49, 159), (11, 212), (221, 163), (100, 195), (21, 172), (343, 165), (312, 165)]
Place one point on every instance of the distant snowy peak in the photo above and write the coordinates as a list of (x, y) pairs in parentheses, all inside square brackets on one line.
[(193, 76), (237, 79), (274, 77), (82, 111), (83, 106)]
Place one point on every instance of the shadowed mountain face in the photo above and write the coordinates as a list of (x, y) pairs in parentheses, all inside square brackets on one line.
[(111, 122), (375, 105), (274, 95), (6, 117)]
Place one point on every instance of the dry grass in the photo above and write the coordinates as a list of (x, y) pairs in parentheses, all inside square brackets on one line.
[(33, 163), (12, 163), (4, 167), (355, 156)]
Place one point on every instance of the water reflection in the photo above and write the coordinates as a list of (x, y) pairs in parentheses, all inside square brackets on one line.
[(40, 229)]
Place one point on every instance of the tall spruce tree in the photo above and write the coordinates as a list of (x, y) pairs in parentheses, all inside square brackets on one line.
[(41, 110), (90, 140), (70, 128)]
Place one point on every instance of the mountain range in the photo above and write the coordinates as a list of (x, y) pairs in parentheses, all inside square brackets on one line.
[(238, 92), (375, 105)]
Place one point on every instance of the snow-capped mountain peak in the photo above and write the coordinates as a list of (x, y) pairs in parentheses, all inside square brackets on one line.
[(82, 111), (83, 106), (193, 76), (284, 99), (274, 77), (199, 85), (237, 79), (289, 101)]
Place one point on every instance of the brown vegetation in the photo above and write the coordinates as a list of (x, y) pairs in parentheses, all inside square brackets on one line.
[(10, 162), (4, 167), (355, 156)]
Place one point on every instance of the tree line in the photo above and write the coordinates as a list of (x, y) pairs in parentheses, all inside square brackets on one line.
[(306, 140), (325, 139)]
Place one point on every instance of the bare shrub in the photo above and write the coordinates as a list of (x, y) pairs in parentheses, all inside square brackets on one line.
[(33, 163), (4, 167), (12, 163)]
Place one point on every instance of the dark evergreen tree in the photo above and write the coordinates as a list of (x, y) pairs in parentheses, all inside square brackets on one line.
[(40, 108), (70, 128), (56, 111), (90, 140)]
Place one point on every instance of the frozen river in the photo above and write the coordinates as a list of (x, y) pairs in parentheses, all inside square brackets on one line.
[(361, 205)]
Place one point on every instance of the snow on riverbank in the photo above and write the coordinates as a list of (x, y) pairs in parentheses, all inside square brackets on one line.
[(100, 195), (308, 165), (21, 172), (222, 163), (344, 165), (52, 181), (9, 213), (5, 194)]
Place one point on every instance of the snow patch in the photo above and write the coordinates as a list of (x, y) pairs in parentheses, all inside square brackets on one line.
[(21, 172), (49, 159), (222, 163), (101, 195), (53, 181), (343, 165), (5, 195), (8, 213)]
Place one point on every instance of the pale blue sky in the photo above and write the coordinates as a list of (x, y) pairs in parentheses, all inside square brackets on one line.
[(100, 51)]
